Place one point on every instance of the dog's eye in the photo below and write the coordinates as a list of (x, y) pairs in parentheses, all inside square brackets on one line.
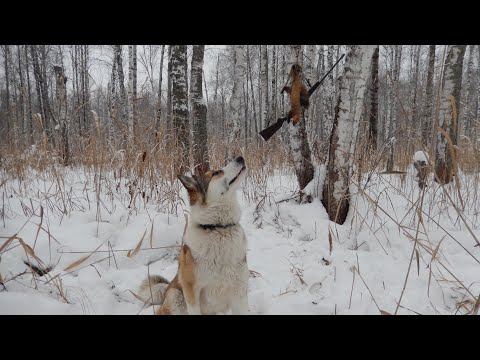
[(215, 173)]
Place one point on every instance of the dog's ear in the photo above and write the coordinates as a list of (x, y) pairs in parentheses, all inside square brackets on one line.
[(189, 183), (194, 188)]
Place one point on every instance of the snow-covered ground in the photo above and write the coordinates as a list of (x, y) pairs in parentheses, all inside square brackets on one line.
[(292, 269)]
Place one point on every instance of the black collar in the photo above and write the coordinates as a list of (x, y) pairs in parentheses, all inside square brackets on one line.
[(214, 226)]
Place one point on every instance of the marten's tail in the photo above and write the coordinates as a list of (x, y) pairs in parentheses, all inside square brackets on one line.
[(152, 290)]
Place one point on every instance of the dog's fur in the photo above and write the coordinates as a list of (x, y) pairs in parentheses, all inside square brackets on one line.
[(212, 274)]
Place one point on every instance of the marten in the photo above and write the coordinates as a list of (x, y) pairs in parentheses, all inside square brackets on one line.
[(298, 94)]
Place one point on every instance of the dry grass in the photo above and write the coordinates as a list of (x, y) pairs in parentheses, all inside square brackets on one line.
[(146, 173)]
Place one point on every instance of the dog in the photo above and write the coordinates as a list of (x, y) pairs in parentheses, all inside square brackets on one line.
[(212, 275)]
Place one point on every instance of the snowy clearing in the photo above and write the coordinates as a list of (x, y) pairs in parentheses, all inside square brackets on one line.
[(292, 270)]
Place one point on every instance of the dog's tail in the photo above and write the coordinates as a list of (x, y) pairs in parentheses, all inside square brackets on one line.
[(152, 290)]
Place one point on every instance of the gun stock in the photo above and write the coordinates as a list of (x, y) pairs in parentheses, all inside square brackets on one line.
[(268, 132)]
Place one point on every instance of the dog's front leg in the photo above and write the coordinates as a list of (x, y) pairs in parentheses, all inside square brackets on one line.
[(192, 298), (189, 280)]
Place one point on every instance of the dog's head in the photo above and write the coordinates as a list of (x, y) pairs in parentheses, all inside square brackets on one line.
[(215, 186)]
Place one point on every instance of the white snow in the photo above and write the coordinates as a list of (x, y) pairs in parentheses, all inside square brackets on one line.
[(288, 248), (421, 156)]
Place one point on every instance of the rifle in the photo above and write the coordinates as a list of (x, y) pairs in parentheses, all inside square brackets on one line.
[(268, 132)]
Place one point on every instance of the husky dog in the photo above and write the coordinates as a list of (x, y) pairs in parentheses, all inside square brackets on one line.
[(212, 274)]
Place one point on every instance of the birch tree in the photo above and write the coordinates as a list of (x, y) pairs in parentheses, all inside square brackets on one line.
[(180, 105), (159, 105), (466, 109), (199, 111), (309, 75), (233, 122), (396, 58), (342, 140), (121, 105), (476, 122), (264, 110), (329, 92), (301, 153), (112, 99), (61, 110), (449, 108), (427, 114), (132, 90), (373, 114)]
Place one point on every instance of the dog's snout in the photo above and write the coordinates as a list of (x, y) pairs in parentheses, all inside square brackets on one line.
[(240, 160)]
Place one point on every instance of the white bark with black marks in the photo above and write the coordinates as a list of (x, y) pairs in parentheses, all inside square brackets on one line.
[(233, 122), (180, 119), (199, 111), (301, 153), (132, 90), (427, 120), (352, 86), (447, 121)]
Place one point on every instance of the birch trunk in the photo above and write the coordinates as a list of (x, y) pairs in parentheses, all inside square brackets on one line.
[(342, 140), (199, 112), (449, 108), (301, 154), (180, 105), (233, 123), (427, 115)]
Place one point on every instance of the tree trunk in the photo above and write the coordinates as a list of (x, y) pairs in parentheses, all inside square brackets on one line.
[(159, 105), (273, 77), (233, 123), (449, 108), (180, 105), (249, 72), (343, 137), (300, 149), (169, 92), (121, 106), (329, 93), (112, 118), (22, 94), (264, 112), (61, 110), (29, 93), (415, 86), (199, 112), (427, 115), (466, 109), (8, 117), (477, 121), (86, 90), (132, 91), (309, 75), (42, 92), (397, 57), (373, 115)]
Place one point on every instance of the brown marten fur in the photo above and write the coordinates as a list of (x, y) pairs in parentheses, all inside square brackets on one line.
[(298, 94)]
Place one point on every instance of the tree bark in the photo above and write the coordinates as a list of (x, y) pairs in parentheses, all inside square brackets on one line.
[(449, 108), (199, 112), (300, 149), (373, 115), (61, 111), (159, 105), (132, 91), (343, 137), (180, 105), (427, 115), (233, 123)]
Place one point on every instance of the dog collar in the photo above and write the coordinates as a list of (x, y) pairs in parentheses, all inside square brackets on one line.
[(214, 226)]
